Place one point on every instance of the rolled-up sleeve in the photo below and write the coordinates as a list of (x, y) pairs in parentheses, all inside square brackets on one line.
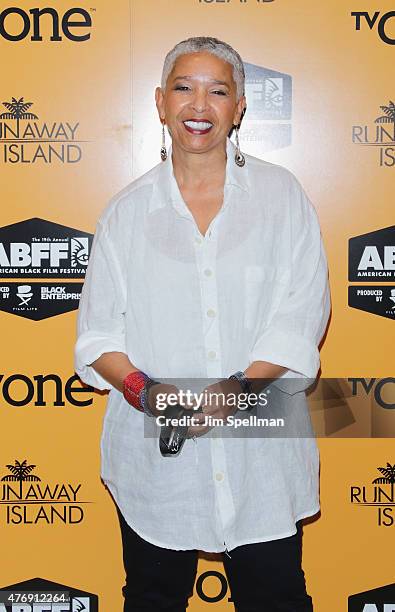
[(294, 331), (100, 322)]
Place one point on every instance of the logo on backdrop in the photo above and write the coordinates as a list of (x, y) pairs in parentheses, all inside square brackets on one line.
[(204, 591), (34, 249), (378, 494), (17, 24), (375, 299), (54, 597), (40, 300), (382, 23), (379, 135), (377, 388), (28, 140), (381, 599), (18, 390), (267, 123), (371, 257), (26, 500)]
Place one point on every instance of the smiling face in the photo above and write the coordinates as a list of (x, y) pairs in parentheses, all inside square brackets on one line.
[(199, 105)]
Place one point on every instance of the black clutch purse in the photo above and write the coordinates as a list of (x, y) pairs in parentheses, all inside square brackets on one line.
[(172, 437)]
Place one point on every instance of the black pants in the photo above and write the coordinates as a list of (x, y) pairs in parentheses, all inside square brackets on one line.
[(263, 577)]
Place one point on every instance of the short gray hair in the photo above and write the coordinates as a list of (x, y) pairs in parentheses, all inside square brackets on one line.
[(212, 45)]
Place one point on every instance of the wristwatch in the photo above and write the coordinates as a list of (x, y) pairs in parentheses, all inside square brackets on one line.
[(245, 384), (144, 396)]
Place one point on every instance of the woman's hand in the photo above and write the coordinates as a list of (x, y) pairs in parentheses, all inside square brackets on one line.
[(157, 397), (222, 402)]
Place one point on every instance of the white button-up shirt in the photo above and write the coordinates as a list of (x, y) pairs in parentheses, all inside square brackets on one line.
[(186, 306)]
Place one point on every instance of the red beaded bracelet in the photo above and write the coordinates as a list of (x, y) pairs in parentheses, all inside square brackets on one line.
[(133, 383)]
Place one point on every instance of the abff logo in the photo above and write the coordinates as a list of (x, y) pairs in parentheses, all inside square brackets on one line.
[(57, 597), (267, 123), (37, 248), (40, 249), (381, 599), (372, 256)]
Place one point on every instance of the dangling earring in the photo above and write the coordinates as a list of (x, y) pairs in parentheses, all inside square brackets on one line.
[(239, 157), (163, 152)]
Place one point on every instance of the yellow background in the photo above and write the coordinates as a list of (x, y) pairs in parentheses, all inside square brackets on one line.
[(340, 79)]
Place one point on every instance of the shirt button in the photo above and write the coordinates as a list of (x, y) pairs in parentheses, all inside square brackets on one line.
[(219, 476), (198, 240), (212, 354), (211, 313), (208, 272)]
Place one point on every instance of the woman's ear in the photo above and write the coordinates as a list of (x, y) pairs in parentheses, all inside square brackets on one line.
[(159, 102), (241, 108)]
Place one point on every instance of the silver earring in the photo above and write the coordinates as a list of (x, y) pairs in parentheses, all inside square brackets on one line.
[(239, 157), (163, 152)]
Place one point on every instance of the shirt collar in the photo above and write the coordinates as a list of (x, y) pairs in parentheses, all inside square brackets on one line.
[(166, 187)]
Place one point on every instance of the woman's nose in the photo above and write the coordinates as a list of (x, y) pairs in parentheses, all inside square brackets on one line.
[(200, 100)]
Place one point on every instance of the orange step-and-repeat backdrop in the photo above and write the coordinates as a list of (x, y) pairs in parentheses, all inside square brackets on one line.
[(77, 123)]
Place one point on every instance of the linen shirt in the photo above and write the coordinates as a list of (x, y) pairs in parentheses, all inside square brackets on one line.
[(185, 305)]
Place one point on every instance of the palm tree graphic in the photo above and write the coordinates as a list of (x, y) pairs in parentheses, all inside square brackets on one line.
[(17, 110), (388, 478), (20, 473), (389, 115)]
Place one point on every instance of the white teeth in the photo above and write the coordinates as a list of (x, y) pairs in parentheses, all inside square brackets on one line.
[(198, 125)]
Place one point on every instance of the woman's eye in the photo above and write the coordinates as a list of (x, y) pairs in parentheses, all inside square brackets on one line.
[(185, 88)]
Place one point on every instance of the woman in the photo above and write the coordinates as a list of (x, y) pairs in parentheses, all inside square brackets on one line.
[(210, 266)]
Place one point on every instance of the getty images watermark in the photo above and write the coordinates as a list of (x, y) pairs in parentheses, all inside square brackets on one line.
[(288, 407), (208, 407), (195, 402)]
